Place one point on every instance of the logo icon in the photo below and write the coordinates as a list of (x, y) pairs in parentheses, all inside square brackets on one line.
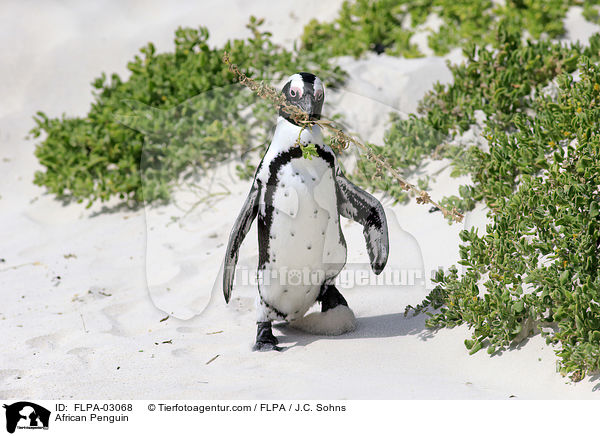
[(26, 415)]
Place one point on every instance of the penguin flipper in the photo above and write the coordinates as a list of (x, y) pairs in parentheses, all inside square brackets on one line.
[(362, 207), (238, 233)]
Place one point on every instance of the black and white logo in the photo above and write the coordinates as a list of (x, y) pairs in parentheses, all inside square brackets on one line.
[(26, 415)]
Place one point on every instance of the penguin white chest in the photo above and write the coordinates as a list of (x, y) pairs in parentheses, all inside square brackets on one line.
[(305, 226), (305, 243)]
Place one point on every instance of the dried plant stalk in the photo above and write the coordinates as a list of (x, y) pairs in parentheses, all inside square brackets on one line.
[(340, 141)]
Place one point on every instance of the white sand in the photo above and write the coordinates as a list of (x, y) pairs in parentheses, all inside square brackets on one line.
[(97, 333)]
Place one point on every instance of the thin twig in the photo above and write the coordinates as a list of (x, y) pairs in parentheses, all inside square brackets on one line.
[(340, 141), (83, 322), (212, 360)]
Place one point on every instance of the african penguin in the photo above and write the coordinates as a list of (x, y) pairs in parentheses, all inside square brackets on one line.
[(298, 202)]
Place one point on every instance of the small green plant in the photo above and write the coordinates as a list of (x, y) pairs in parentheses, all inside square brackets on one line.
[(177, 112)]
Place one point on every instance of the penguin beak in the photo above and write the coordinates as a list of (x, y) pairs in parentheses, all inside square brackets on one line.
[(311, 106), (309, 102)]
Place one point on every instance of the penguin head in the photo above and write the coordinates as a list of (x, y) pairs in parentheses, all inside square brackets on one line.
[(306, 91)]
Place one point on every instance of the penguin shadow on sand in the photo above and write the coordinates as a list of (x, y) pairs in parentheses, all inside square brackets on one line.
[(368, 327), (402, 284)]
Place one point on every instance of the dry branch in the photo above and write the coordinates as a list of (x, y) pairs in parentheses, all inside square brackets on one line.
[(340, 141)]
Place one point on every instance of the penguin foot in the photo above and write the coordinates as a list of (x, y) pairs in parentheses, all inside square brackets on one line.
[(265, 340), (265, 346), (330, 297)]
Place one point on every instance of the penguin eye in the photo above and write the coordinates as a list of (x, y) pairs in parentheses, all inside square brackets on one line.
[(295, 92)]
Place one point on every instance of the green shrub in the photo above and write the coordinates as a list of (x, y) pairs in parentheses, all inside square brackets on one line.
[(538, 261), (177, 112), (502, 83), (388, 25), (591, 10), (362, 26)]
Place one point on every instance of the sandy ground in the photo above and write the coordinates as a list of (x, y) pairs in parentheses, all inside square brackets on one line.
[(86, 291)]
